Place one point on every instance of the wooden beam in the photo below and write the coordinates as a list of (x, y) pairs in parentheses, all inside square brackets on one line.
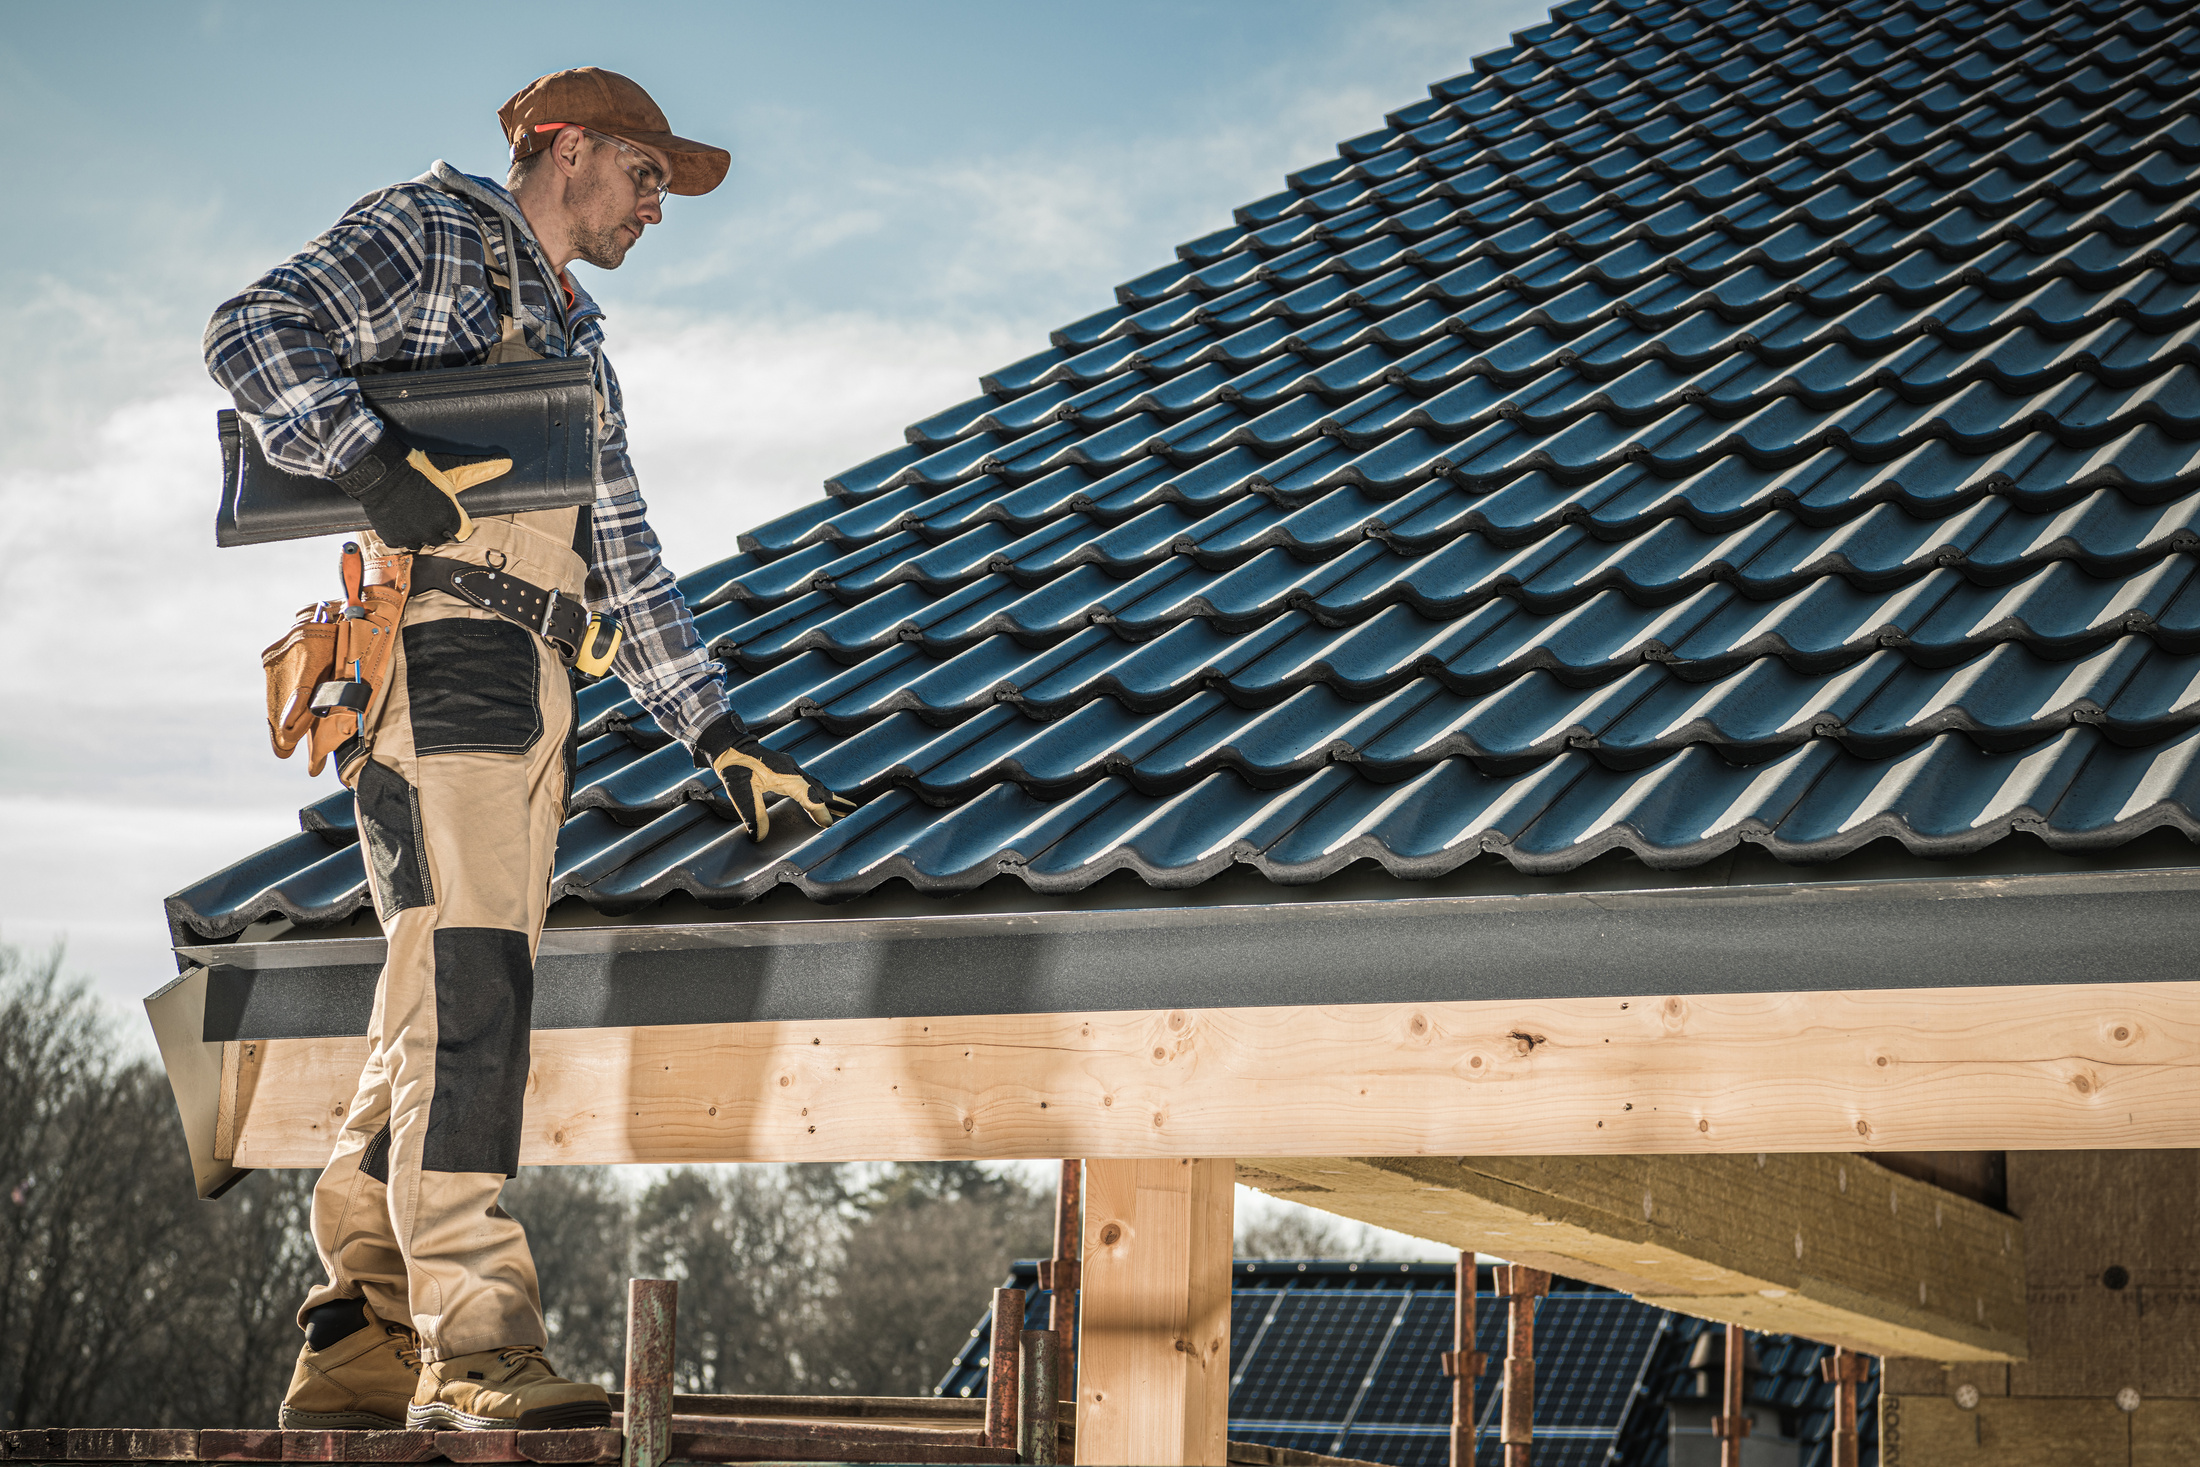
[(2084, 1065), (1828, 1246), (1155, 1386)]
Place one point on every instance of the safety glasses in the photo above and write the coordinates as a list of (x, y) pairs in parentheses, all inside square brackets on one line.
[(651, 182)]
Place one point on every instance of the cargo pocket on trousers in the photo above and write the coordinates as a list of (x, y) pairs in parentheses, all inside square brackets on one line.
[(391, 838), (474, 686)]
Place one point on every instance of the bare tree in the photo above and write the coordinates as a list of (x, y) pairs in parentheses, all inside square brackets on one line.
[(96, 1228), (1291, 1231), (124, 1300), (236, 1331), (925, 1246), (751, 1250)]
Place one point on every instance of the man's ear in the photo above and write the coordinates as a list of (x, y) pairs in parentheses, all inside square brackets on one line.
[(568, 150)]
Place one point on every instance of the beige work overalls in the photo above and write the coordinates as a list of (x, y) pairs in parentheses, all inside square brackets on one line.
[(461, 781)]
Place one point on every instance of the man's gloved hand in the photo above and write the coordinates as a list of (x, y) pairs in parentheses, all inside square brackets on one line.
[(410, 501), (752, 772)]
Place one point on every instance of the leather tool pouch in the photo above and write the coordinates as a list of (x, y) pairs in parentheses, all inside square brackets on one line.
[(325, 674), (365, 645), (299, 661)]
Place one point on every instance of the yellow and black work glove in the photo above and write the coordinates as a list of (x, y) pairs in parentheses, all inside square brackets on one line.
[(410, 500), (752, 773)]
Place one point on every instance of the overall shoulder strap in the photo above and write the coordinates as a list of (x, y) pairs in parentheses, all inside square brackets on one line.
[(512, 345), (494, 220)]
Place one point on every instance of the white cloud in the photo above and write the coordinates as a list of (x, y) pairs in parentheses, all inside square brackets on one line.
[(735, 422), (92, 874)]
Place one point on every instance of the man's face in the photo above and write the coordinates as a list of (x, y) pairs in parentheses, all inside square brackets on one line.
[(604, 201)]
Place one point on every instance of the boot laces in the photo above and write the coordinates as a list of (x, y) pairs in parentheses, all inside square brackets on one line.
[(408, 1345), (518, 1355)]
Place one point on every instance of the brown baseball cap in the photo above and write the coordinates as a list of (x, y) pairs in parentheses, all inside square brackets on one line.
[(607, 102)]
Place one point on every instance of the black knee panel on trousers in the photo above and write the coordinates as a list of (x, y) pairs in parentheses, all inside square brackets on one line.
[(391, 837), (484, 998)]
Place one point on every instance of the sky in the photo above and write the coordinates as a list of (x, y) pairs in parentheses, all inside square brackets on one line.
[(919, 192)]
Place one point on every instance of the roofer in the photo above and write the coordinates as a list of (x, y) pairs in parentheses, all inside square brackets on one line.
[(463, 760)]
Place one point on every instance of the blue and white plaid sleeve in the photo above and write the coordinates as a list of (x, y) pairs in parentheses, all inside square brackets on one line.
[(377, 287), (662, 661)]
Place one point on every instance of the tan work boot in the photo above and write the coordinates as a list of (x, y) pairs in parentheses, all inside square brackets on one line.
[(363, 1382), (503, 1390)]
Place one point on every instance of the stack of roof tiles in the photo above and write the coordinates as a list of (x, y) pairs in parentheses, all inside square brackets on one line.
[(1699, 423), (1342, 1359)]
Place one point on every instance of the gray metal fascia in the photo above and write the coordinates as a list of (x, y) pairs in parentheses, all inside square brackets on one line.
[(2064, 927)]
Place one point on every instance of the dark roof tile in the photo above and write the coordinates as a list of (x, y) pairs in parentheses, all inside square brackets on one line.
[(1694, 424)]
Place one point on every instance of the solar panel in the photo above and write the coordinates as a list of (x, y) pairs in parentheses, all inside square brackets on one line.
[(1315, 1356), (1342, 1359)]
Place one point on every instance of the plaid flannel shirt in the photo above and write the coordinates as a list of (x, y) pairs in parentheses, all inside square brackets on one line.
[(402, 282)]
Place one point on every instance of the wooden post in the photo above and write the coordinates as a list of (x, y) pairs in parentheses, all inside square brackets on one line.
[(1846, 1369), (1153, 1367), (1038, 1405), (1730, 1425), (1059, 1276), (652, 1315), (1521, 1286), (1003, 1354), (1462, 1362)]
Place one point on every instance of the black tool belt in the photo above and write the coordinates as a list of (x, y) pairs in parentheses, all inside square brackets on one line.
[(558, 619)]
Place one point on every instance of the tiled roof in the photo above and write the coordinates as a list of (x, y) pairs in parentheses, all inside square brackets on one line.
[(1699, 423), (1341, 1359)]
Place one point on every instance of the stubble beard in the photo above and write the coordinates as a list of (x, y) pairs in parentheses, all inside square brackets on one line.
[(604, 247)]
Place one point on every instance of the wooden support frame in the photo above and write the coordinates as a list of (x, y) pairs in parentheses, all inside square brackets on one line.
[(1038, 1399), (1154, 1386), (652, 1323), (2100, 1065)]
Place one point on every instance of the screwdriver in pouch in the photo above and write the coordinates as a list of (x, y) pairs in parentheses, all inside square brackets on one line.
[(348, 694)]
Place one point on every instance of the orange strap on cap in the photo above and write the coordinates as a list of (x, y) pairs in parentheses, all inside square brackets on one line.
[(520, 139)]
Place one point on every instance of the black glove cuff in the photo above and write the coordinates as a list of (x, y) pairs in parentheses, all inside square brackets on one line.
[(719, 735), (374, 466)]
